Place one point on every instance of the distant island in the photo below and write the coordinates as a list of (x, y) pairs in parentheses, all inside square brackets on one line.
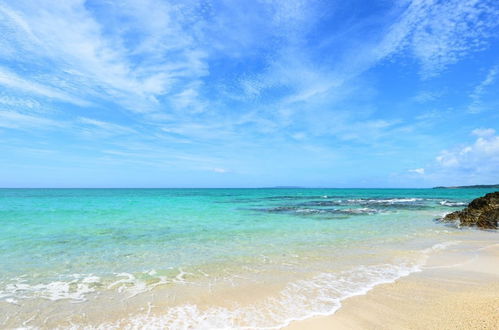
[(468, 187)]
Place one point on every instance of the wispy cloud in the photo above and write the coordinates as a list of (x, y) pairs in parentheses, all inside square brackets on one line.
[(480, 90), (426, 96), (97, 128), (15, 120), (440, 33), (11, 80), (102, 61), (17, 102)]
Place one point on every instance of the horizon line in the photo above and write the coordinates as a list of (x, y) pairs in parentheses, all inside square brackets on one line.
[(278, 187)]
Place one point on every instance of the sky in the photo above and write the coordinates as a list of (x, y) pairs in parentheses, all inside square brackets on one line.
[(156, 93)]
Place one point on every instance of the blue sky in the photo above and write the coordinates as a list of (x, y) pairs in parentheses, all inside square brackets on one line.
[(152, 93)]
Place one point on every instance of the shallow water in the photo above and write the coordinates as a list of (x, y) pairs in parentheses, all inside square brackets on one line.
[(209, 258)]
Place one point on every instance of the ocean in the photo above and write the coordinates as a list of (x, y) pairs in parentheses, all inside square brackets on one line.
[(210, 258)]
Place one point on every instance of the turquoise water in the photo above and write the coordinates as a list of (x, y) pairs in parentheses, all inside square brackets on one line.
[(71, 245)]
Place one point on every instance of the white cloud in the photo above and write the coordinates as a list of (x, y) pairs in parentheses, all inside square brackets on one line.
[(480, 157), (219, 170), (418, 171), (483, 132)]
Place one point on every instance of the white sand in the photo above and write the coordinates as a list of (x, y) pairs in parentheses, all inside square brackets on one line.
[(458, 289)]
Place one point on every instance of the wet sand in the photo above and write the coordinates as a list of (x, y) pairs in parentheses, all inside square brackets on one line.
[(457, 289)]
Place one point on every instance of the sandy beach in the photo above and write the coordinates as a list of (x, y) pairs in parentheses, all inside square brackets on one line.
[(457, 289)]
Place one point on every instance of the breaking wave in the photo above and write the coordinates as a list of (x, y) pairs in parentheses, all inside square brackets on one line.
[(450, 203)]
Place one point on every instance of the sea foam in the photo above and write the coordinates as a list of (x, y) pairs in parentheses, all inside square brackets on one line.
[(449, 203), (76, 288), (321, 295)]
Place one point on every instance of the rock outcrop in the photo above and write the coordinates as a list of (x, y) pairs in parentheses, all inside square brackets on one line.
[(482, 212)]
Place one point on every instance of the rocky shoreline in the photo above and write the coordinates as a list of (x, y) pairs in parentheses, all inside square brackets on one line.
[(482, 212)]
